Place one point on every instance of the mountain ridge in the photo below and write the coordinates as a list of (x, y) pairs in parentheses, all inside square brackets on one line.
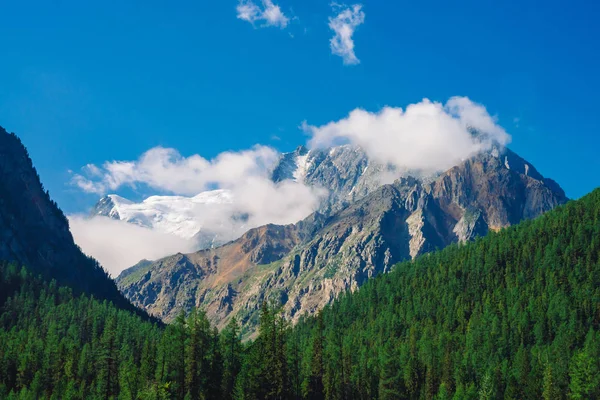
[(395, 222), (346, 172)]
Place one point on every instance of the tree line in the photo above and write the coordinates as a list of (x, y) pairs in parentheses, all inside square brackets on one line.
[(514, 315)]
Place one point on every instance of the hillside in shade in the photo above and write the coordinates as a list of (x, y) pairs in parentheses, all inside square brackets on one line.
[(35, 233)]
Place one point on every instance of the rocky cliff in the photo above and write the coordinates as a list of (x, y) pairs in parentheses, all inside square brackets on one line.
[(306, 265), (345, 171)]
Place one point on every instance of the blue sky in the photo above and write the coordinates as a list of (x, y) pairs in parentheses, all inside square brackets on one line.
[(87, 82)]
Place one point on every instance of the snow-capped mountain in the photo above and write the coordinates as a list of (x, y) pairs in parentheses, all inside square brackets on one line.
[(177, 215), (293, 165), (306, 265), (345, 172)]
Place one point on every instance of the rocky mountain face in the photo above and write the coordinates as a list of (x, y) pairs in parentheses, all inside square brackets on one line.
[(345, 171), (306, 265), (35, 233)]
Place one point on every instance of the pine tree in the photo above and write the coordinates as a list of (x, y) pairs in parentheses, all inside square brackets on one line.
[(390, 380), (486, 390), (214, 377), (148, 361), (232, 353), (108, 372), (196, 356), (584, 376), (550, 390), (178, 367), (316, 388)]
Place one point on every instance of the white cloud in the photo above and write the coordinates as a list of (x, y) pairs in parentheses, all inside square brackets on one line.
[(118, 245), (278, 203), (246, 174), (270, 14), (427, 136), (167, 170), (344, 24)]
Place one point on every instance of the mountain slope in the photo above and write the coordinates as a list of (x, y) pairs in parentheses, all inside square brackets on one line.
[(393, 223), (35, 233), (345, 171), (513, 315)]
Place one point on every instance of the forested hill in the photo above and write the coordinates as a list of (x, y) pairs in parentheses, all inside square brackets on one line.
[(34, 232), (514, 315)]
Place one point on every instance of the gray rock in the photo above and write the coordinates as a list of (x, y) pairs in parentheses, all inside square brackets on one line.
[(306, 265)]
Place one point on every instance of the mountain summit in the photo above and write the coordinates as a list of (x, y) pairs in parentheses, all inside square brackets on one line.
[(305, 266), (345, 172)]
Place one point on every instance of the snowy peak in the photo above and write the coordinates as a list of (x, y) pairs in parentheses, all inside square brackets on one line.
[(178, 215), (219, 196), (292, 166), (106, 207)]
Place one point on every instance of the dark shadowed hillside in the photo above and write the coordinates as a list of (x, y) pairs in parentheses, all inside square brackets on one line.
[(35, 233)]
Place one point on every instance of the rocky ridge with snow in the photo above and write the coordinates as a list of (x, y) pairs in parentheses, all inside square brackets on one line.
[(345, 172), (305, 266)]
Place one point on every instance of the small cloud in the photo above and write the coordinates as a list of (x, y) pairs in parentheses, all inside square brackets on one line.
[(516, 121), (344, 24), (92, 170), (270, 14)]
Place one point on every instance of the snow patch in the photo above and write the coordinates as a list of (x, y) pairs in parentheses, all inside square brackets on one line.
[(176, 215), (302, 165)]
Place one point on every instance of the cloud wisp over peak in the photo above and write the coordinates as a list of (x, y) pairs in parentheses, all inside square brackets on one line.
[(343, 24), (267, 15), (426, 136)]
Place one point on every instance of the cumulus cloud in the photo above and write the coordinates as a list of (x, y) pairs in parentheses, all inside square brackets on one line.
[(167, 170), (343, 25), (427, 136), (279, 203), (268, 15), (255, 200), (118, 245)]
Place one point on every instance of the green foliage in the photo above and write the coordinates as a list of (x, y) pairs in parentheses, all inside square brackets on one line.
[(515, 315), (57, 346)]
